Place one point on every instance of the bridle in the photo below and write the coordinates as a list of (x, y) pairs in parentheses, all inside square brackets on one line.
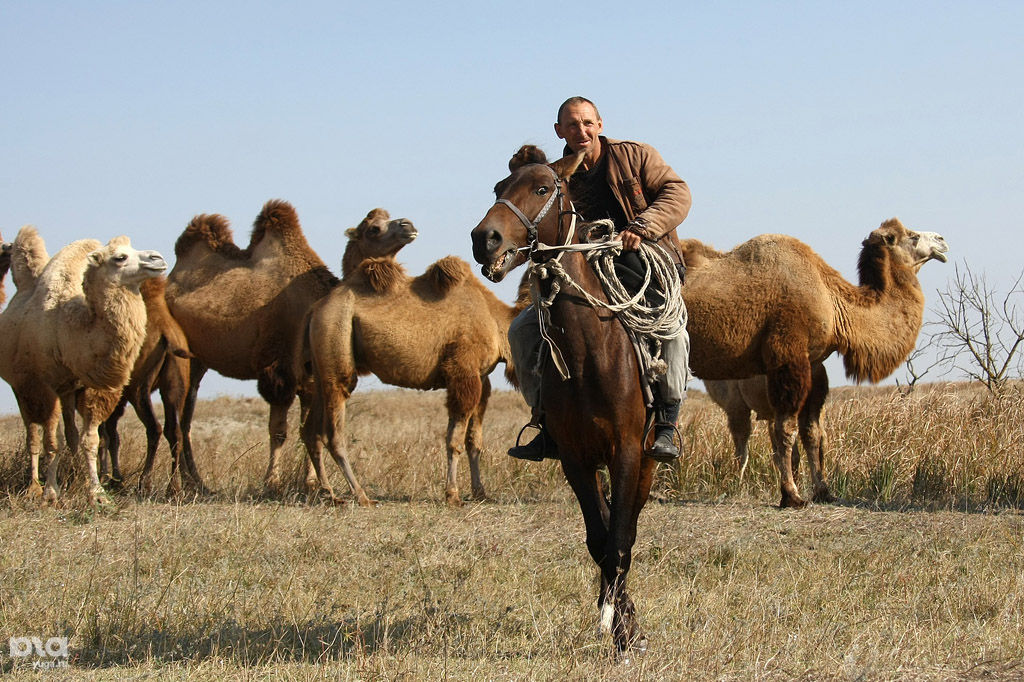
[(531, 225)]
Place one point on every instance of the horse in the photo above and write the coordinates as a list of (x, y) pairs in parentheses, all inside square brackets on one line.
[(597, 415)]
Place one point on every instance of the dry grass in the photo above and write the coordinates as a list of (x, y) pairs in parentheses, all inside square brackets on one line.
[(918, 573)]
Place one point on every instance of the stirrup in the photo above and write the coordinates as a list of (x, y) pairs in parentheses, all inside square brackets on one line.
[(667, 458), (525, 452)]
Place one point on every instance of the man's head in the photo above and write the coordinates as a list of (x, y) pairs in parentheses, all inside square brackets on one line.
[(579, 124)]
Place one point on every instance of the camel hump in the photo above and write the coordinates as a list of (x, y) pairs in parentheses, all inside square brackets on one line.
[(277, 217), (696, 253), (212, 230), (448, 273), (382, 273), (527, 154), (28, 257)]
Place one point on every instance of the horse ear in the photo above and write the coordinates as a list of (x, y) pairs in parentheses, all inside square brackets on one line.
[(567, 165), (527, 154)]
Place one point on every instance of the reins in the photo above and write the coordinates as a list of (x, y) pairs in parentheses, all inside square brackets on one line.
[(642, 322)]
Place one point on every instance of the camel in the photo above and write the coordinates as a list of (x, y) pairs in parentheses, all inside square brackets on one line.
[(78, 322), (772, 306), (241, 309), (162, 365), (5, 266), (442, 329), (739, 397)]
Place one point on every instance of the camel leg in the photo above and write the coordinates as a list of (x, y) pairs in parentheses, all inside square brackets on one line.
[(34, 447), (305, 405), (310, 428), (475, 439), (144, 410), (112, 447), (67, 409), (464, 394), (812, 434), (278, 427), (739, 429), (787, 391), (175, 392), (334, 429)]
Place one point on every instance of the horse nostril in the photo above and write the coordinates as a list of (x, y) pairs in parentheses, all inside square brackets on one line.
[(494, 241)]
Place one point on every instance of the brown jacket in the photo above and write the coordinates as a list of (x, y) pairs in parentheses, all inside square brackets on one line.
[(647, 189)]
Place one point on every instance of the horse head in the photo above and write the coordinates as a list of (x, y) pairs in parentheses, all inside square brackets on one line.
[(522, 213)]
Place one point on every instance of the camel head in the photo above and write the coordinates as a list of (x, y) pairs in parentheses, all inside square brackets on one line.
[(6, 249), (380, 236), (501, 240), (119, 264), (907, 246)]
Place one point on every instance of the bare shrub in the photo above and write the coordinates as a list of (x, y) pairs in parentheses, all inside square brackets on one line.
[(979, 329)]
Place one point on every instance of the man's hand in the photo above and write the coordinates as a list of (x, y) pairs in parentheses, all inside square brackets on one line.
[(630, 240)]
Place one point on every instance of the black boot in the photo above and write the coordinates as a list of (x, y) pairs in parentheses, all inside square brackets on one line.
[(537, 449), (664, 448)]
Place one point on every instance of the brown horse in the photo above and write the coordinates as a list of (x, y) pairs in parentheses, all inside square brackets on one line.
[(597, 415)]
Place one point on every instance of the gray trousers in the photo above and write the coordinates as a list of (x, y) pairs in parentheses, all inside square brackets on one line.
[(527, 345)]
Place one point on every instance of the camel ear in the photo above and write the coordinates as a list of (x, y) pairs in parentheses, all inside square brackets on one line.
[(351, 233), (567, 165), (96, 257)]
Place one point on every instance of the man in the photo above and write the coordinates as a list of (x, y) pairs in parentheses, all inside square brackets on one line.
[(629, 183)]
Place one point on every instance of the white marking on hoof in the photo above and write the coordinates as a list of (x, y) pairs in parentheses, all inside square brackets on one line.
[(607, 615)]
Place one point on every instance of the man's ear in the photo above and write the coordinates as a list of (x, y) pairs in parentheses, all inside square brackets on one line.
[(567, 165)]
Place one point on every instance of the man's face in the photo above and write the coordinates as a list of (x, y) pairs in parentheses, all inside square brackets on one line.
[(580, 126)]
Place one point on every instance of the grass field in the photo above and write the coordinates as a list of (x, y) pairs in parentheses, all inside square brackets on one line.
[(916, 573)]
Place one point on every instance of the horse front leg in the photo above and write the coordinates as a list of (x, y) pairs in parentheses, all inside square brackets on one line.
[(631, 482), (586, 484)]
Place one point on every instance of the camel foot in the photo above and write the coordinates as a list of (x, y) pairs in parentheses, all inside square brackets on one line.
[(452, 497), (824, 496), (792, 502), (34, 491), (365, 501), (113, 483), (100, 499), (272, 486), (49, 496)]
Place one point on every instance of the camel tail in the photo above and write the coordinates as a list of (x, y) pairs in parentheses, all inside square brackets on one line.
[(212, 230)]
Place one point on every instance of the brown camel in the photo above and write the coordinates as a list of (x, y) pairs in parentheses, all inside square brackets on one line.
[(241, 309), (739, 397), (162, 365), (772, 306), (443, 329), (76, 323), (5, 265)]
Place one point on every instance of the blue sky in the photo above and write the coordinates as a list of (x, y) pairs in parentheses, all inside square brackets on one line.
[(815, 119)]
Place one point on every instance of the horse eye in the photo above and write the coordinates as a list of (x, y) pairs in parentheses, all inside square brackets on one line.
[(541, 191)]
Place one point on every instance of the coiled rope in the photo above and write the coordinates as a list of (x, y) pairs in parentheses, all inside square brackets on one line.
[(647, 326)]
